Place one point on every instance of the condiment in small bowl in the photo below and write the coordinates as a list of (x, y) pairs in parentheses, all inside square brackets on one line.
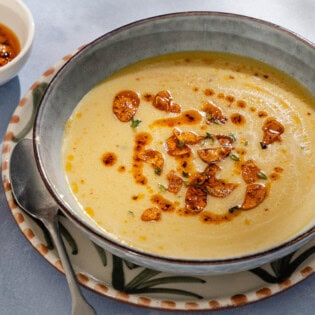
[(16, 37)]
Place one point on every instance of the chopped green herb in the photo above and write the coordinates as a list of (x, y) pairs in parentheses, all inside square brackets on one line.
[(185, 174), (186, 183), (135, 122), (246, 143), (209, 116), (209, 136), (232, 135), (262, 175), (180, 143), (234, 157), (157, 171), (131, 212), (162, 187)]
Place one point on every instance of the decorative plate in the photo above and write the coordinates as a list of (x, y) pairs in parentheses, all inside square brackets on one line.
[(113, 277)]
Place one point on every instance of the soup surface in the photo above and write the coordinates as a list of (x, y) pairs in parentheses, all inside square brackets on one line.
[(195, 155)]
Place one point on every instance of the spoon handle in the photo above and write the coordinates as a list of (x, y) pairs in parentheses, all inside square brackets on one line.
[(79, 305)]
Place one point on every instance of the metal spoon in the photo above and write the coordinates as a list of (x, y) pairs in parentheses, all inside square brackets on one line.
[(32, 196)]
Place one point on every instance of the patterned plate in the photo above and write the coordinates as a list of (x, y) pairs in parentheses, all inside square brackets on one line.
[(118, 279)]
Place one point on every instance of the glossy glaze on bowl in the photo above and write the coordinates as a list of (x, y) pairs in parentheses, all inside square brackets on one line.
[(178, 32)]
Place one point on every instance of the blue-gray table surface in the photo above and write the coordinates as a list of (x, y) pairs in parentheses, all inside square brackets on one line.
[(28, 284)]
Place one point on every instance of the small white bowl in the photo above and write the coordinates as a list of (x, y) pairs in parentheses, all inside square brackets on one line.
[(15, 15)]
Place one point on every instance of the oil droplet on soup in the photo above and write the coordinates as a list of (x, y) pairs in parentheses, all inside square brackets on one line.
[(109, 159), (182, 154)]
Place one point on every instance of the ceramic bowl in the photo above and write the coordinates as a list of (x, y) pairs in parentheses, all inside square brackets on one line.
[(207, 31), (16, 16)]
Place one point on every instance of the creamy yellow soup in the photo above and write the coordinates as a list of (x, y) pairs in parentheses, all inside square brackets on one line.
[(195, 155)]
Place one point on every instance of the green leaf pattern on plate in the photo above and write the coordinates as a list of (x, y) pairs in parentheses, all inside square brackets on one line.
[(147, 282), (37, 94), (284, 267)]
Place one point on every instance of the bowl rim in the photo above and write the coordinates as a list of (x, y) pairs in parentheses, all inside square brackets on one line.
[(300, 238), (30, 35)]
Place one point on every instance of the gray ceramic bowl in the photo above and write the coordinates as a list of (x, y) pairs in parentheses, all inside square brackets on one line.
[(207, 31)]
